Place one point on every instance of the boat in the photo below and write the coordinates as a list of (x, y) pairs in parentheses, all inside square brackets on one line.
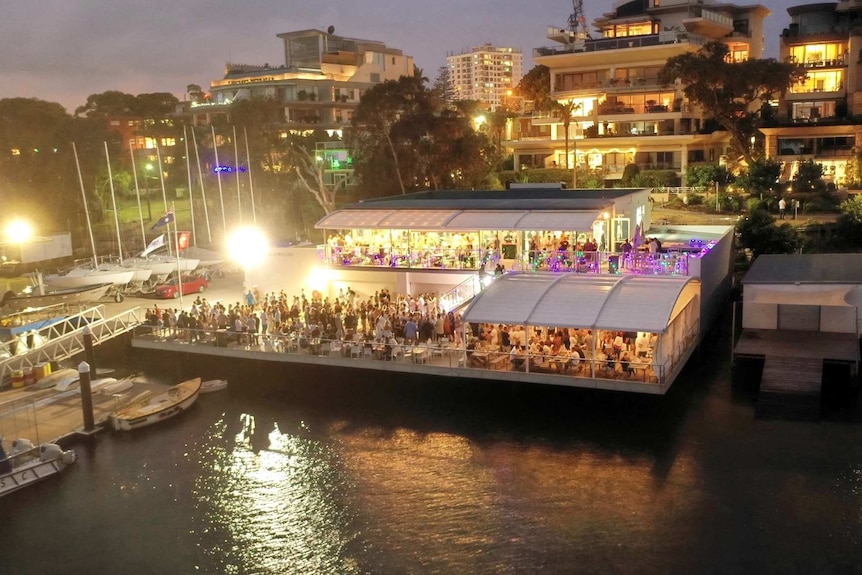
[(212, 385), (82, 277), (41, 296), (151, 409), (91, 274), (118, 386), (26, 464), (63, 377)]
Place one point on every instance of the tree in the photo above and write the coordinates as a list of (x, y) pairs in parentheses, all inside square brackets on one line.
[(760, 177), (119, 104), (759, 233), (536, 86), (310, 171), (809, 177), (443, 85), (848, 227), (731, 92), (110, 103), (195, 92), (707, 175), (566, 109), (404, 138)]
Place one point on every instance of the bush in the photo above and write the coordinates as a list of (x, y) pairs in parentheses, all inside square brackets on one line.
[(695, 200)]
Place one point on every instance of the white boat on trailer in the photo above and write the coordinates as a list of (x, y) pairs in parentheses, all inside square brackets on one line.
[(26, 464), (41, 296), (150, 409)]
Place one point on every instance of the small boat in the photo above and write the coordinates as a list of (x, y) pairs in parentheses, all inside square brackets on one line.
[(212, 385), (62, 377), (118, 386), (26, 464), (155, 408)]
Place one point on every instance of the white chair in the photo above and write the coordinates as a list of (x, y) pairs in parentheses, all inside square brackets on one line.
[(355, 350)]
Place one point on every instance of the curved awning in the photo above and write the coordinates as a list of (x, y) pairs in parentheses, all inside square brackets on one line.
[(608, 302), (458, 220)]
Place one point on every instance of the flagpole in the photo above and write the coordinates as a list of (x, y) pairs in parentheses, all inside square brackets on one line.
[(164, 195), (203, 190), (179, 268), (250, 182), (191, 197), (138, 194), (220, 194)]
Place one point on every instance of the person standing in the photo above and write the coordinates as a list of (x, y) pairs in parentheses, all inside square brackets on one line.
[(782, 208)]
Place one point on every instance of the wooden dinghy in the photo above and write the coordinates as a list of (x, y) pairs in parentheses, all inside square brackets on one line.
[(158, 407)]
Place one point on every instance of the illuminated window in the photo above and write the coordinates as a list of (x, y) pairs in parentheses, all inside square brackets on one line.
[(818, 54)]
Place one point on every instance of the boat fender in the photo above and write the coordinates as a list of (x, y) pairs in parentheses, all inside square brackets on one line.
[(20, 446), (50, 451), (69, 457)]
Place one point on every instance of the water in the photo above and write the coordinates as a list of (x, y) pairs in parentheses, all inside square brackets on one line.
[(365, 476)]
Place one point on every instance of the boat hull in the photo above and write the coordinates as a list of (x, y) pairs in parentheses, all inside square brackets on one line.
[(78, 295), (31, 467), (160, 407), (79, 278)]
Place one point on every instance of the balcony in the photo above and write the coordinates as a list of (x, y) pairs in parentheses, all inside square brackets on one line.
[(709, 23), (603, 44)]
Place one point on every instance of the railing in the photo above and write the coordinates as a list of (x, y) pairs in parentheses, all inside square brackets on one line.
[(622, 43), (670, 262), (443, 354), (461, 293), (65, 338)]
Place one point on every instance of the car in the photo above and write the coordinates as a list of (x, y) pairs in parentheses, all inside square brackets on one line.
[(191, 284)]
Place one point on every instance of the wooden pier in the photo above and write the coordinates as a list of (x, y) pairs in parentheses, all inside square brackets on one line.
[(792, 361)]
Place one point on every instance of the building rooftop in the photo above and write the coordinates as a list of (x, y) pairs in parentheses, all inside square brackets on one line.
[(512, 199), (805, 268)]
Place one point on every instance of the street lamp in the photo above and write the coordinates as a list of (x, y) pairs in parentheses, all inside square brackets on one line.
[(247, 246)]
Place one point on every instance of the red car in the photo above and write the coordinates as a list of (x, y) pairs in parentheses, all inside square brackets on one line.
[(191, 284)]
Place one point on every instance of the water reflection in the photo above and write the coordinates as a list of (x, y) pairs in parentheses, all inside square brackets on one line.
[(270, 502)]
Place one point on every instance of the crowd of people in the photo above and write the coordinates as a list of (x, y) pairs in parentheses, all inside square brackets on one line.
[(391, 322)]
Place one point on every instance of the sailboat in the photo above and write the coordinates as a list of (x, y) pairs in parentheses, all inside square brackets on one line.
[(89, 274)]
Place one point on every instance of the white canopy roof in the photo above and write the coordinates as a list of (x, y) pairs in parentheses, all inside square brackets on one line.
[(610, 302), (458, 220)]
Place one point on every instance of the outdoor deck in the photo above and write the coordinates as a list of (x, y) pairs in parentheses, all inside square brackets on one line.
[(441, 360)]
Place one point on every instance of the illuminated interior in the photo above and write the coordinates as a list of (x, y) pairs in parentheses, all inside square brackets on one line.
[(820, 81), (814, 54)]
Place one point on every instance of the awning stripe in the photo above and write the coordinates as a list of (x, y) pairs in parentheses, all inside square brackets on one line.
[(459, 220)]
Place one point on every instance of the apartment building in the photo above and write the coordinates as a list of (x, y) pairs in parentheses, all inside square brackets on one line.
[(319, 84), (485, 73), (813, 117), (621, 113)]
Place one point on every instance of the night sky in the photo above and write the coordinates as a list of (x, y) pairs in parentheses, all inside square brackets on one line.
[(65, 50)]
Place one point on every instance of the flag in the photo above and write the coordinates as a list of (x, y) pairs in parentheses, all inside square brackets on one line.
[(165, 219), (183, 240), (154, 245)]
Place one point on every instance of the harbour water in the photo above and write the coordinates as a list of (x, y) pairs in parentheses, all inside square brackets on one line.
[(292, 475)]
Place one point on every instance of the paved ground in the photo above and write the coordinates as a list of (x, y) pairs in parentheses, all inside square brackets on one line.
[(683, 217)]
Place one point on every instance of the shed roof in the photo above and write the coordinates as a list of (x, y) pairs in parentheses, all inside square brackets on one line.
[(805, 268), (612, 302)]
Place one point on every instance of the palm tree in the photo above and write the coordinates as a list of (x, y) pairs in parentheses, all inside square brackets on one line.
[(566, 109)]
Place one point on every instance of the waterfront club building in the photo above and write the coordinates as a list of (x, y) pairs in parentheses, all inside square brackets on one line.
[(574, 259)]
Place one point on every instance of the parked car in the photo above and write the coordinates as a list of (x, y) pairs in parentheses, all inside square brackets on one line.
[(191, 284)]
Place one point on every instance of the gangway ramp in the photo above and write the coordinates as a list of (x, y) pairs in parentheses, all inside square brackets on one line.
[(790, 388), (65, 338)]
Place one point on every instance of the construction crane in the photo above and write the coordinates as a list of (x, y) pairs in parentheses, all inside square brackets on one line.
[(578, 21)]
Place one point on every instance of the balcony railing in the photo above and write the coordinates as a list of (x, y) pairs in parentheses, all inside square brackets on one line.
[(623, 43), (443, 353)]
